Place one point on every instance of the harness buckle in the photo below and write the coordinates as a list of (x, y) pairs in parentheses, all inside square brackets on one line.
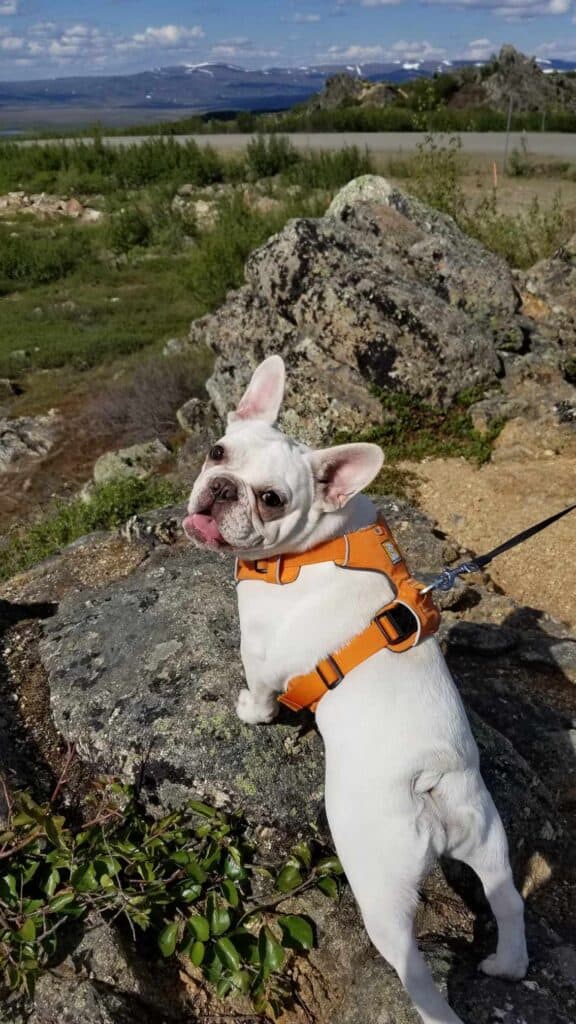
[(330, 672), (397, 623)]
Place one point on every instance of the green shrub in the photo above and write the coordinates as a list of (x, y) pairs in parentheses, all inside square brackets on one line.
[(520, 238), (91, 166), (413, 430), (519, 164), (216, 264), (109, 507), (267, 155), (29, 258), (438, 171), (436, 174), (128, 229), (185, 880), (330, 170)]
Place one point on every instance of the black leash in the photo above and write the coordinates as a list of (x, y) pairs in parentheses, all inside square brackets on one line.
[(448, 577)]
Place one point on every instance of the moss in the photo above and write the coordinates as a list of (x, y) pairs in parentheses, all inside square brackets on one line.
[(394, 480), (412, 430)]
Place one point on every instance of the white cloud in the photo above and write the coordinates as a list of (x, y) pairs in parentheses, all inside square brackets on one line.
[(367, 3), (8, 7), (401, 50), (512, 10), (82, 45), (564, 49), (479, 49), (356, 52), (229, 51), (11, 43), (306, 19), (168, 36)]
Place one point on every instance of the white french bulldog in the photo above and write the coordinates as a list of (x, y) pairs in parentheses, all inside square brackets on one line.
[(403, 784)]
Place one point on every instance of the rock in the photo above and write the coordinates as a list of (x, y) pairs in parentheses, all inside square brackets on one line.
[(146, 669), (191, 414), (140, 460), (46, 207), (7, 388), (104, 981), (91, 216), (203, 211), (73, 208), (26, 436), (382, 293), (368, 188), (173, 706), (553, 281), (457, 267)]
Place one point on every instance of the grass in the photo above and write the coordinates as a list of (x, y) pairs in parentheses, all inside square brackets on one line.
[(109, 507), (104, 306), (89, 167), (412, 431)]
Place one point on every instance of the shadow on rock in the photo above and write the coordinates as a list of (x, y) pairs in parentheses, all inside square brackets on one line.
[(25, 735), (517, 684)]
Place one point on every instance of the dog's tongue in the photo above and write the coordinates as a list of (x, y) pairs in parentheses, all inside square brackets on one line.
[(205, 527)]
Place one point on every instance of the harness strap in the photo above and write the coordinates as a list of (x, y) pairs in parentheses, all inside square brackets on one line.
[(372, 548), (398, 626), (410, 617)]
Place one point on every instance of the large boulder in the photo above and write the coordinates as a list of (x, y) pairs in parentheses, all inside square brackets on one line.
[(139, 460), (26, 437), (143, 671), (383, 293)]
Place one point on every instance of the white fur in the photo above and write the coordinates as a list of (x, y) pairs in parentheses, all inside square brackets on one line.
[(402, 778)]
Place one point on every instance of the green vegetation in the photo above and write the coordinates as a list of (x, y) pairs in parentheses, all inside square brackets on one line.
[(109, 507), (412, 430), (32, 258), (132, 283), (435, 174), (77, 294), (92, 167), (184, 882)]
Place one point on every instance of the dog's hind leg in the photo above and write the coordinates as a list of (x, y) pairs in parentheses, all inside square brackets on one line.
[(385, 855), (475, 835)]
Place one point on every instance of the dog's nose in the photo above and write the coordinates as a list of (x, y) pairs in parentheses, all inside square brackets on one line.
[(223, 489)]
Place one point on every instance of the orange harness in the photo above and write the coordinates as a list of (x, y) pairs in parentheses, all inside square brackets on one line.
[(409, 618)]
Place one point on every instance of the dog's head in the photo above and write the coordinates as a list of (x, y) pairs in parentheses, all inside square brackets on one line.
[(261, 493)]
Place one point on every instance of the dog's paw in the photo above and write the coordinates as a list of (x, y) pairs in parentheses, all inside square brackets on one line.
[(252, 712), (513, 968)]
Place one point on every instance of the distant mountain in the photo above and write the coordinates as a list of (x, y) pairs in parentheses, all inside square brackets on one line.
[(206, 87)]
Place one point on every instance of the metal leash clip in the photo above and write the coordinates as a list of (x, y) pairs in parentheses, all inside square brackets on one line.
[(447, 578)]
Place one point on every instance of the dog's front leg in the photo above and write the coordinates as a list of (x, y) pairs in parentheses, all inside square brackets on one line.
[(257, 702)]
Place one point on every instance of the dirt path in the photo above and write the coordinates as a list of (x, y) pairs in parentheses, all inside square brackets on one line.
[(479, 508)]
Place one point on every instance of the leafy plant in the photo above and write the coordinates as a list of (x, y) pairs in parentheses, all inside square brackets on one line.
[(267, 155), (36, 257), (327, 170), (186, 880), (521, 238), (110, 506), (439, 169)]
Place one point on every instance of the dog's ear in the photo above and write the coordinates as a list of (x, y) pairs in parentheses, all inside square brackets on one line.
[(263, 396), (343, 471)]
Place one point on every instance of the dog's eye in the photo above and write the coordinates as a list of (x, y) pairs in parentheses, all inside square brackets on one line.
[(216, 453), (271, 499)]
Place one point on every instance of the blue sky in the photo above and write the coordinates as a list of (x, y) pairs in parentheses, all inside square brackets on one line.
[(64, 37)]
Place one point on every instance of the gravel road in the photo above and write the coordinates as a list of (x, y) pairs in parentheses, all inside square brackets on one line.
[(491, 144)]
